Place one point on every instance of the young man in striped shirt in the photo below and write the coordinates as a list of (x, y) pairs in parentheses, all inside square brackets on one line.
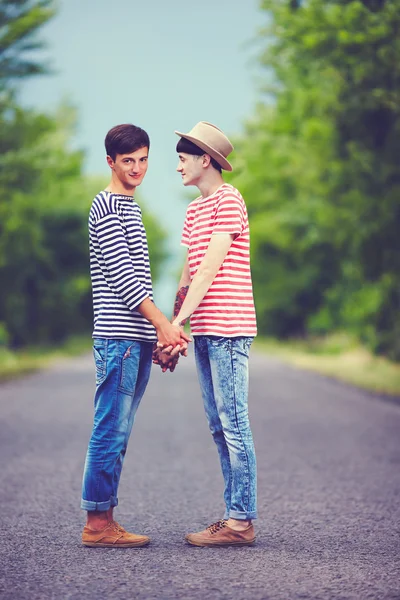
[(215, 291), (126, 325)]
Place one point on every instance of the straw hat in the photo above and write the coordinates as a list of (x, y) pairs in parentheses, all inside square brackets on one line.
[(212, 140)]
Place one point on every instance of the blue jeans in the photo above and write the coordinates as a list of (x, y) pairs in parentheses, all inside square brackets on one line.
[(222, 367), (122, 372)]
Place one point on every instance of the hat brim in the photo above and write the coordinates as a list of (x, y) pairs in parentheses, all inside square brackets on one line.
[(221, 160)]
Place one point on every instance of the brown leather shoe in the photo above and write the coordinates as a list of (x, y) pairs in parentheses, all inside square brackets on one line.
[(220, 534), (112, 536)]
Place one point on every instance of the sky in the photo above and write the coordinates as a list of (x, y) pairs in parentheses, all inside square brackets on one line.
[(162, 65)]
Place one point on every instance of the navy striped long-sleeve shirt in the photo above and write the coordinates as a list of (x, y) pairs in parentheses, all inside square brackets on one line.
[(119, 268)]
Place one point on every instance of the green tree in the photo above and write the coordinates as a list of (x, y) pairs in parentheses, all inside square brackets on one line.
[(44, 200), (43, 239), (318, 167), (19, 23)]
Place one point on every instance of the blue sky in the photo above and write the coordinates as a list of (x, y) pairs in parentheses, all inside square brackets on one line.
[(160, 65)]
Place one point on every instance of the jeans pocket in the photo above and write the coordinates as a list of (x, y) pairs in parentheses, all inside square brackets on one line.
[(100, 359), (129, 371), (247, 341), (242, 345), (217, 341)]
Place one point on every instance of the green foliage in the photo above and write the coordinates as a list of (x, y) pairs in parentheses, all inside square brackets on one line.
[(19, 22), (44, 205), (319, 170), (44, 201), (156, 237), (43, 237)]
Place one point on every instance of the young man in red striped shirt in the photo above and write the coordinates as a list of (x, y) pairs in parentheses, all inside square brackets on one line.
[(215, 291)]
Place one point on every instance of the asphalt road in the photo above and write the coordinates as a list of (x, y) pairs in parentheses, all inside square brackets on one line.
[(329, 492)]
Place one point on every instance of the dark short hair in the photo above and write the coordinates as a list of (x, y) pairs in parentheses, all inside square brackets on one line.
[(185, 146), (125, 139)]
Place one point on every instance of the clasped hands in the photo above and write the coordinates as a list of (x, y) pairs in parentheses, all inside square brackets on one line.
[(168, 349)]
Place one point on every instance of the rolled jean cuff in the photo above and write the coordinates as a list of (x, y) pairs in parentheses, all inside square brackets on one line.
[(99, 506), (242, 516)]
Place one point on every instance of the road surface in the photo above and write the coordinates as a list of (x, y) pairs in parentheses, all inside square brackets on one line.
[(329, 491)]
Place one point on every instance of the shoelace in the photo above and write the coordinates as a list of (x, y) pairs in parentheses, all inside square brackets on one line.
[(216, 526), (118, 527)]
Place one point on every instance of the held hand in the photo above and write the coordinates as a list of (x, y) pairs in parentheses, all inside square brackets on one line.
[(165, 361), (180, 347), (171, 335), (174, 361)]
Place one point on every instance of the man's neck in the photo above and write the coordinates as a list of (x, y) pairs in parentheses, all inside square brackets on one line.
[(210, 184), (116, 187)]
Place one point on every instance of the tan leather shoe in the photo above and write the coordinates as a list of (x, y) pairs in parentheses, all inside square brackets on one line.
[(220, 534), (112, 536)]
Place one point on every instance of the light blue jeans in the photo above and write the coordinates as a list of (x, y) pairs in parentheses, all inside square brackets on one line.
[(222, 367), (122, 372)]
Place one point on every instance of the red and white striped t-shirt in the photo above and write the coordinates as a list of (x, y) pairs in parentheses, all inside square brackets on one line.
[(228, 308)]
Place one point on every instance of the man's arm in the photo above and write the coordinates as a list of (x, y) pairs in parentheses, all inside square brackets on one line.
[(123, 279), (167, 334), (214, 257), (183, 288), (169, 360), (121, 275), (191, 293)]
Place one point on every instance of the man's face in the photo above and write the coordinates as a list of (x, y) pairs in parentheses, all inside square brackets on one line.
[(191, 168), (130, 168)]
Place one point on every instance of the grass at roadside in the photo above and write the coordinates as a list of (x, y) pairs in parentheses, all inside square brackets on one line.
[(15, 364), (339, 357)]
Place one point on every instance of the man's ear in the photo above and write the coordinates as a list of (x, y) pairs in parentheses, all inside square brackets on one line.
[(110, 162), (206, 160)]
